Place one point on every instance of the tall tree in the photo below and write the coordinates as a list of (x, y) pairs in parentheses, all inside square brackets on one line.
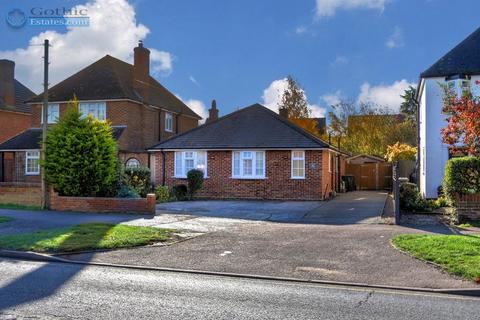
[(409, 105), (294, 100)]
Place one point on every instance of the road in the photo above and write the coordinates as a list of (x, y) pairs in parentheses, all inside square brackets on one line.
[(47, 291)]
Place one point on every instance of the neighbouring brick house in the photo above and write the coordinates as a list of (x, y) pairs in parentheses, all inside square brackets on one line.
[(142, 112), (15, 114), (252, 153)]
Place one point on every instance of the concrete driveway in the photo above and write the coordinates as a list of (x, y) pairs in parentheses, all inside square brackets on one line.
[(361, 207)]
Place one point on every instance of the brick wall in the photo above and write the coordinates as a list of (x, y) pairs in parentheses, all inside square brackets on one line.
[(277, 184), (24, 194), (12, 123), (105, 205), (19, 169), (468, 207), (145, 125)]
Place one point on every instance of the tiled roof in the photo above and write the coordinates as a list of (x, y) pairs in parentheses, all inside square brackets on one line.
[(111, 78), (22, 94), (464, 59), (252, 127), (32, 138)]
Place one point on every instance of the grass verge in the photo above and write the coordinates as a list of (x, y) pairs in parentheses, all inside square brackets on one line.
[(18, 206), (90, 236), (5, 219), (458, 255)]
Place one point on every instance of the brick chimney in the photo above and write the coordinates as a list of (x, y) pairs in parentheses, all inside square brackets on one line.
[(141, 63), (212, 112), (283, 112), (7, 83)]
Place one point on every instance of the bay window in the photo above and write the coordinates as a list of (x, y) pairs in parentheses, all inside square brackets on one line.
[(98, 110), (189, 160), (298, 164), (32, 162), (248, 164)]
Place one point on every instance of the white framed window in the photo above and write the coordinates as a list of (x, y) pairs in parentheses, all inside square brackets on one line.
[(53, 113), (98, 110), (188, 160), (168, 122), (132, 163), (298, 164), (32, 162), (248, 164)]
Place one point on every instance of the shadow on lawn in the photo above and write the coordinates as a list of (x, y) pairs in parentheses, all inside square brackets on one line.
[(46, 280)]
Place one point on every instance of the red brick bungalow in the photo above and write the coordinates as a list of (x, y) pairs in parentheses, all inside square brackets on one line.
[(252, 153), (140, 109)]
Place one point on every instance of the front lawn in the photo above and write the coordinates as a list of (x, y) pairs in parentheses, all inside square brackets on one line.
[(470, 224), (89, 236), (458, 255), (5, 219)]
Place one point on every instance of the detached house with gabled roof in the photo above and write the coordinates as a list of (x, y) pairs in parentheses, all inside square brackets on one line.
[(252, 153), (141, 111), (459, 70)]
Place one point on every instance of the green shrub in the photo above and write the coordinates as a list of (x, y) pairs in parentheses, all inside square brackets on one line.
[(81, 155), (195, 181), (462, 176), (138, 179), (180, 191), (411, 199), (127, 192), (162, 194)]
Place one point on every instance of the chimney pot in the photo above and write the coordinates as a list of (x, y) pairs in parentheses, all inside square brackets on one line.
[(141, 63), (283, 112), (7, 82), (212, 112)]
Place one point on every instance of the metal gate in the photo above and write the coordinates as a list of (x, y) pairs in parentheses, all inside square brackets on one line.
[(371, 176)]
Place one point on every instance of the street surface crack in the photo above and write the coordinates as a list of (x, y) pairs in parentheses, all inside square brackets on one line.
[(363, 301)]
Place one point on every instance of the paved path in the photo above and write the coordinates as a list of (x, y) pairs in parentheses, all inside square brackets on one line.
[(58, 291)]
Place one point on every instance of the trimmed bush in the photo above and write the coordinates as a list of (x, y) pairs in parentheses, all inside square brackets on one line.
[(462, 176), (411, 199), (195, 181), (180, 191), (138, 179), (81, 155), (127, 192), (162, 193)]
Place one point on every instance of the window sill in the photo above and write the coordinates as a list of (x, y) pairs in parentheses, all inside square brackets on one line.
[(249, 178), (297, 178), (169, 131), (32, 174)]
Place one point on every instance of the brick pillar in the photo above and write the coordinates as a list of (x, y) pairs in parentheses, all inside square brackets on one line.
[(151, 203)]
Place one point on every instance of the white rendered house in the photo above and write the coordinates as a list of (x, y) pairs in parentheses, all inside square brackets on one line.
[(459, 69)]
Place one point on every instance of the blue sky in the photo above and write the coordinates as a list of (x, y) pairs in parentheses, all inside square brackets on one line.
[(238, 52)]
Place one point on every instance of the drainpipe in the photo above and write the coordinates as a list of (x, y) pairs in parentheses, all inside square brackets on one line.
[(163, 168)]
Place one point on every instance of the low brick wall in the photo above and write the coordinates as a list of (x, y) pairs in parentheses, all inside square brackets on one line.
[(108, 205), (23, 194), (468, 207)]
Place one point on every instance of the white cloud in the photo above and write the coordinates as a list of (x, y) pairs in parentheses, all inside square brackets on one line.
[(272, 95), (113, 30), (191, 78), (384, 95), (339, 61), (300, 30), (396, 39), (332, 98), (197, 106), (328, 8)]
